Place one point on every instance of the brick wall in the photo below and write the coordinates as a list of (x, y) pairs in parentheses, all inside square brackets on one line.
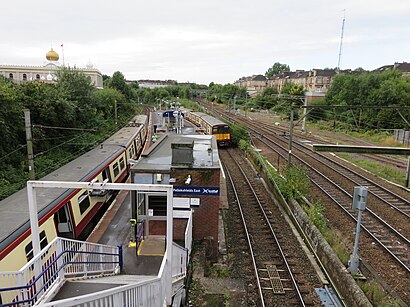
[(205, 217)]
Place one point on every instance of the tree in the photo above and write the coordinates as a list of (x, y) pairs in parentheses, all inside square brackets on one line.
[(118, 82), (276, 69)]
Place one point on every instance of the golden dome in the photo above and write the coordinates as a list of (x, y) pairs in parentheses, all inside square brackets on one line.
[(52, 55)]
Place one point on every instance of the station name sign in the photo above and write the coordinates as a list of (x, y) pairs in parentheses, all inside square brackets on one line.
[(213, 191)]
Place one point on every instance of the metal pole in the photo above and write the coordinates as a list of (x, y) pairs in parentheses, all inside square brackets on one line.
[(115, 112), (304, 114), (32, 206), (290, 137), (29, 140), (359, 202), (406, 184)]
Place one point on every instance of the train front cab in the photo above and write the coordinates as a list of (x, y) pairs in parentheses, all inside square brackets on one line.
[(222, 134)]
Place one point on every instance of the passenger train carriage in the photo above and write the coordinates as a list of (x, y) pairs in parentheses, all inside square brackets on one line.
[(211, 125), (68, 213)]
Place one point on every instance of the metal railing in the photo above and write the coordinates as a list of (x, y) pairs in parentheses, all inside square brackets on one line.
[(179, 261), (188, 236), (140, 235), (60, 260), (146, 293)]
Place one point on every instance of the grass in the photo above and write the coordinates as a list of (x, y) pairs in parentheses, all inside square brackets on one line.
[(338, 244), (377, 295), (383, 171), (383, 138), (217, 271)]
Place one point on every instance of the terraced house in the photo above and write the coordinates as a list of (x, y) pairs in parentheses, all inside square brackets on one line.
[(315, 81)]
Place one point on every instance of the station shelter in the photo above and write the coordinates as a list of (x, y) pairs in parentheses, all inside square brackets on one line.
[(191, 164)]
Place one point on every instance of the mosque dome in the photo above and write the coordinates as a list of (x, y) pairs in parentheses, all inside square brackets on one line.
[(52, 55), (89, 64)]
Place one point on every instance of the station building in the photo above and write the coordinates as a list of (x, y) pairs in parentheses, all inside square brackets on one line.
[(191, 164)]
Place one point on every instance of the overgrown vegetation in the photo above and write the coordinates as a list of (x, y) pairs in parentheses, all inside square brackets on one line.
[(372, 90), (238, 133), (315, 212), (377, 295)]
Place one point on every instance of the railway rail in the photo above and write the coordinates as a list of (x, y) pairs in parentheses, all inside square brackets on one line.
[(323, 138), (386, 219), (274, 262)]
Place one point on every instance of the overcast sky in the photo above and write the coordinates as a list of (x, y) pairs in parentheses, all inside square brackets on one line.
[(205, 40)]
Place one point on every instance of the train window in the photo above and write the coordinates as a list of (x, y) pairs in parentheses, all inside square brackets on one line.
[(84, 202), (122, 164), (29, 247), (115, 169)]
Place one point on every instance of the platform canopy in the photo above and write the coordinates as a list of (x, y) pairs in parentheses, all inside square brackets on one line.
[(363, 149)]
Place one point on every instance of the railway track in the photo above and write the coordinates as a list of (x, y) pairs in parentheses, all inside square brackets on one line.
[(323, 138), (279, 278), (386, 220)]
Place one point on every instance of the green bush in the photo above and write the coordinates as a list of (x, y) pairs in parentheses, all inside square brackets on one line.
[(315, 213), (238, 132), (244, 145)]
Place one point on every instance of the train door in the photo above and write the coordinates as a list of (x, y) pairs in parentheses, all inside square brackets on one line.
[(106, 174), (64, 222)]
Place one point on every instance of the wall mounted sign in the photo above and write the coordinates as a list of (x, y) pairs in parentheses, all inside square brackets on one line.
[(190, 190)]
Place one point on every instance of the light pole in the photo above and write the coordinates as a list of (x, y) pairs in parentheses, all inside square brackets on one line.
[(115, 112)]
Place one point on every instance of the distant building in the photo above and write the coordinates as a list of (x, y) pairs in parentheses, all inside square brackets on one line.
[(254, 84), (315, 80), (48, 72), (404, 68), (155, 83)]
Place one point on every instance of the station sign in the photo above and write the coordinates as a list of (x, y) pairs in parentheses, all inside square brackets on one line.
[(189, 190)]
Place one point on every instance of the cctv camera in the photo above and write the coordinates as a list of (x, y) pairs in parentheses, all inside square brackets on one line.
[(188, 180)]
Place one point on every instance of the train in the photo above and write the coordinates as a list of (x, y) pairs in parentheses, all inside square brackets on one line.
[(69, 213), (211, 125)]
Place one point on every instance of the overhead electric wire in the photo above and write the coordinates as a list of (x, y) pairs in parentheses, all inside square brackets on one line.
[(63, 128), (50, 149), (10, 153)]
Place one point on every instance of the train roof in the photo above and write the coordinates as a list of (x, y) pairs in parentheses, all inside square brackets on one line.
[(209, 119), (138, 120), (14, 210), (212, 120), (200, 114)]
